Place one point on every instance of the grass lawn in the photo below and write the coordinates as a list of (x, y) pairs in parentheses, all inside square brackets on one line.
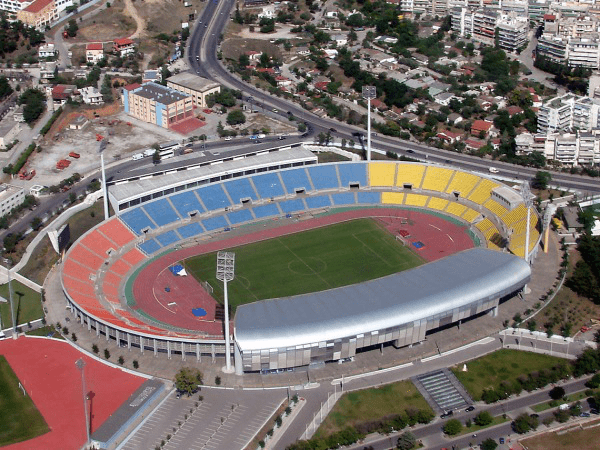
[(504, 365), (46, 331), (576, 439), (28, 304), (371, 404), (316, 260), (475, 428), (554, 404), (19, 417)]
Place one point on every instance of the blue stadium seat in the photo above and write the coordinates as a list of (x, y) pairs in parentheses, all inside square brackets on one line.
[(150, 247), (167, 238), (137, 220), (369, 197), (214, 223), (161, 212), (186, 202), (214, 197), (190, 230), (345, 198), (269, 210), (240, 216), (290, 206), (240, 189), (295, 179), (268, 185), (324, 177), (353, 173), (318, 202)]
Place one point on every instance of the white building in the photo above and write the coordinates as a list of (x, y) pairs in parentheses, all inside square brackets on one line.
[(10, 197), (91, 96), (568, 112), (571, 149), (46, 51)]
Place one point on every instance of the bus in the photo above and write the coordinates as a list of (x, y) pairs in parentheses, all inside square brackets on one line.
[(166, 154), (173, 145)]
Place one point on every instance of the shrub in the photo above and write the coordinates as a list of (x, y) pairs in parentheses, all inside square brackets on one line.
[(452, 427), (483, 419), (106, 353)]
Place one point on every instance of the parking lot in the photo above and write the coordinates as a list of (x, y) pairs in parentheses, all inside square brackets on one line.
[(225, 419)]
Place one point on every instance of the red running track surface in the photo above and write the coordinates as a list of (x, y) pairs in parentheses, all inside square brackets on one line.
[(441, 238), (46, 368)]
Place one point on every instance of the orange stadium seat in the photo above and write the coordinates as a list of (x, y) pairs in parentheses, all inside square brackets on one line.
[(117, 232)]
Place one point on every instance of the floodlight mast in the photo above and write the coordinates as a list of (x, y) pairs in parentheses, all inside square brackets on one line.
[(226, 273), (8, 262), (528, 199), (101, 148), (368, 93), (80, 363)]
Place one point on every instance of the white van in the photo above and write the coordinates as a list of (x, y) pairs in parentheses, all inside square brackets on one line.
[(137, 156), (493, 170), (149, 152)]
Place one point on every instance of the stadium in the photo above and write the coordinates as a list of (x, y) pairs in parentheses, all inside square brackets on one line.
[(469, 232)]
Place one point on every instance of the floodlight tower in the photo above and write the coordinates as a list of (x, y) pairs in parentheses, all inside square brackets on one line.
[(80, 363), (528, 199), (225, 273), (7, 261), (368, 93), (101, 149)]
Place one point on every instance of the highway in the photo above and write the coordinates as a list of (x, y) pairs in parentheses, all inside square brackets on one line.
[(204, 42)]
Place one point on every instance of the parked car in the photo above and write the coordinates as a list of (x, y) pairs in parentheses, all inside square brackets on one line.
[(470, 408)]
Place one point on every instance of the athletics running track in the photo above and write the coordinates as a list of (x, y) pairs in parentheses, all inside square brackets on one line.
[(441, 238), (46, 368)]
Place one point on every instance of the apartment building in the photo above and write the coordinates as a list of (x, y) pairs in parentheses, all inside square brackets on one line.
[(39, 13), (552, 47), (157, 104), (556, 115), (481, 25), (584, 52), (10, 197), (512, 32), (581, 148)]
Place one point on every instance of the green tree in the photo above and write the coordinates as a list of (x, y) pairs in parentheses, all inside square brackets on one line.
[(452, 427), (406, 441), (483, 419), (156, 157), (95, 348), (525, 423), (72, 28), (236, 117), (5, 88), (106, 353), (188, 379), (489, 444), (541, 179)]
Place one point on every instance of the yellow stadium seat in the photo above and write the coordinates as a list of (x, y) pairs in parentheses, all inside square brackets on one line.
[(495, 207), (382, 174), (456, 209), (462, 182), (410, 174), (512, 217), (436, 178), (416, 199), (392, 198), (437, 203), (482, 191), (470, 215), (484, 225)]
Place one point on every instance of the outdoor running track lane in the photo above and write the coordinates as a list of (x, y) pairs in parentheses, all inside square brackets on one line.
[(46, 368), (441, 238)]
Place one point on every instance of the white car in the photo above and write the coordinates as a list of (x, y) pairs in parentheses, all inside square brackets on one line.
[(493, 170), (228, 138)]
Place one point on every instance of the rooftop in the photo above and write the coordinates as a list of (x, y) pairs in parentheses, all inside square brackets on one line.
[(38, 5), (191, 81), (160, 93)]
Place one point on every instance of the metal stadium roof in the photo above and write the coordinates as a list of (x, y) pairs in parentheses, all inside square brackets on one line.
[(434, 288)]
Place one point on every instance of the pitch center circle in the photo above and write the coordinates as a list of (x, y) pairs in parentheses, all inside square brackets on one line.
[(308, 266)]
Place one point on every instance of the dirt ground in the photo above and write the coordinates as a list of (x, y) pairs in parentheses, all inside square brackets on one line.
[(108, 24), (573, 439)]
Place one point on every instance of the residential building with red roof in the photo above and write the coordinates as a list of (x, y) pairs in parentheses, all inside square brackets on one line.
[(449, 136), (480, 126), (94, 52), (123, 46), (39, 13)]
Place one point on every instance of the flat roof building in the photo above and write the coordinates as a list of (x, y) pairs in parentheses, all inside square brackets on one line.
[(196, 87), (10, 196)]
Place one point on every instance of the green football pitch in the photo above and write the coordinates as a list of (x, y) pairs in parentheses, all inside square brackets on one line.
[(316, 260), (19, 417)]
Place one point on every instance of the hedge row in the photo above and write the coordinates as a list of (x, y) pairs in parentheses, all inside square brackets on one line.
[(529, 382), (50, 122), (22, 159), (350, 435)]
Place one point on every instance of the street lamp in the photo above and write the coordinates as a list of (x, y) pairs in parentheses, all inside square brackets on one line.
[(368, 93), (101, 149), (225, 273), (80, 363), (10, 299)]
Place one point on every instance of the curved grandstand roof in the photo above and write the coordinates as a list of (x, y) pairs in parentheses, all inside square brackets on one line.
[(437, 287)]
